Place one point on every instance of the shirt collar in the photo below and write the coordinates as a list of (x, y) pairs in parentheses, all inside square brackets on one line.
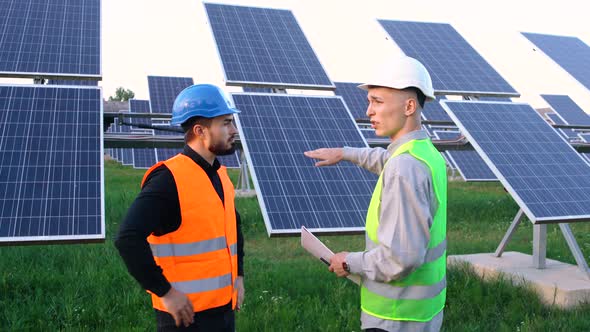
[(413, 135), (200, 160)]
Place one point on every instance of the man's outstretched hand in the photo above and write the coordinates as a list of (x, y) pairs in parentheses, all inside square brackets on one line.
[(327, 156)]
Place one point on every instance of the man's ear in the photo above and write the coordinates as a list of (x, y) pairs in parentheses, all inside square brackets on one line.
[(198, 130), (411, 106)]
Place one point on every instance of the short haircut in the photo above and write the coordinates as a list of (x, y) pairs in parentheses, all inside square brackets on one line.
[(189, 124), (419, 95)]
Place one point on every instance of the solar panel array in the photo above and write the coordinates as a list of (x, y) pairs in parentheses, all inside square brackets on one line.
[(144, 158), (434, 112), (50, 38), (139, 106), (257, 90), (468, 162), (355, 98), (163, 91), (72, 82), (275, 131), (454, 65), (570, 53), (51, 173), (568, 109), (548, 179), (586, 138), (565, 132), (262, 46)]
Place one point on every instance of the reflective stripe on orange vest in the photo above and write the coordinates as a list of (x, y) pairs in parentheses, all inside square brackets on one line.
[(200, 257)]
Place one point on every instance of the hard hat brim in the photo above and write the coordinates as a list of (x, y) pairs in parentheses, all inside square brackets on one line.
[(366, 86), (179, 121)]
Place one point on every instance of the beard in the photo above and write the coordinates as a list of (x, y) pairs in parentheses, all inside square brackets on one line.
[(222, 148)]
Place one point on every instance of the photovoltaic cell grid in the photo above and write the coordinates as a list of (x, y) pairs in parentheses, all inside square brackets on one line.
[(275, 131), (468, 162), (547, 178), (51, 176), (568, 109), (163, 154), (262, 46), (72, 82), (57, 37), (355, 98), (369, 134), (229, 161), (139, 106), (144, 158), (163, 91), (259, 90), (565, 132), (454, 65), (495, 99), (570, 53), (585, 138), (434, 112), (126, 154)]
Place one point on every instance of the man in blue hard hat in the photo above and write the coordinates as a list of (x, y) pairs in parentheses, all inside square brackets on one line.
[(181, 238)]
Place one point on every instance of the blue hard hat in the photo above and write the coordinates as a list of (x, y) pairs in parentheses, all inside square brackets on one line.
[(206, 100)]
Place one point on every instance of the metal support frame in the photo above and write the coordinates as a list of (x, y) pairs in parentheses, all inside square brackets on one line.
[(540, 243), (244, 177), (509, 233), (574, 248), (539, 246)]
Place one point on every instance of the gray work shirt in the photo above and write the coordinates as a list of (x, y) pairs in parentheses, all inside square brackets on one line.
[(408, 206)]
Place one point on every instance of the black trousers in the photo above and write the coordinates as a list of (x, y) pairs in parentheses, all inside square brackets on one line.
[(220, 321)]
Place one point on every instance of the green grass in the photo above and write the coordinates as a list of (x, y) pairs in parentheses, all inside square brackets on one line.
[(86, 287)]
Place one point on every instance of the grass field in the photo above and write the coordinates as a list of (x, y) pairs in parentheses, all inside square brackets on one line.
[(87, 288)]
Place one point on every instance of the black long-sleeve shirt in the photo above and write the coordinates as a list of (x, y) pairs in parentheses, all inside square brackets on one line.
[(156, 210)]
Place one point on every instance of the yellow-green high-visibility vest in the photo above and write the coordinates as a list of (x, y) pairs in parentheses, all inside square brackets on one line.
[(421, 295)]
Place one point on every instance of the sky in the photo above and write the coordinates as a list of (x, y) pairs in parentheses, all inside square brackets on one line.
[(173, 38)]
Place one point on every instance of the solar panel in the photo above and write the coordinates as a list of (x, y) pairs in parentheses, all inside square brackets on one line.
[(546, 177), (495, 99), (50, 38), (586, 138), (264, 47), (125, 154), (568, 109), (275, 131), (72, 82), (163, 91), (434, 112), (567, 133), (144, 158), (253, 89), (369, 135), (230, 161), (51, 164), (140, 106), (468, 162), (570, 53), (355, 98), (163, 154), (454, 65)]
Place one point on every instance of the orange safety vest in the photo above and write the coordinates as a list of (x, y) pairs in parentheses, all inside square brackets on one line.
[(200, 257)]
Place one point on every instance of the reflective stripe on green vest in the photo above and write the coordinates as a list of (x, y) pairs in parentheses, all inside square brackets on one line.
[(421, 295)]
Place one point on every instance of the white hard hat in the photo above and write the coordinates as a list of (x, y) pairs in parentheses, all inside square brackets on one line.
[(400, 73)]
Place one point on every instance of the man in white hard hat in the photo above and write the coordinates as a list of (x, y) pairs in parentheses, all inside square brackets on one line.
[(403, 267)]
